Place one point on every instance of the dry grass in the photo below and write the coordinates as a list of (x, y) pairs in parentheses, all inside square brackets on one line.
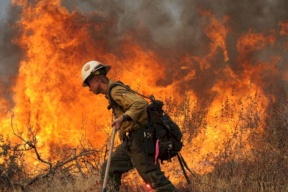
[(265, 172)]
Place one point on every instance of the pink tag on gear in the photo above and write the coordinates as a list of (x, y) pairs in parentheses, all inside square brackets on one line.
[(156, 151)]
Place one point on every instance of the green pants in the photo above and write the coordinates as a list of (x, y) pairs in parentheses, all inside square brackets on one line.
[(131, 154)]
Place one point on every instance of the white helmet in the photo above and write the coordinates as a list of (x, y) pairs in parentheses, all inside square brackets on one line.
[(90, 67)]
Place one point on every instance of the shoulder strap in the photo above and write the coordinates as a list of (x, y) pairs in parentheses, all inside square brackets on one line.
[(119, 83), (112, 102)]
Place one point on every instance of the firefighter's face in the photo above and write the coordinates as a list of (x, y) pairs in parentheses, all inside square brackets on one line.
[(94, 84)]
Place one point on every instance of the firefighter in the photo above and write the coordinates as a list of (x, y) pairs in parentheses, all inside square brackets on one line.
[(130, 153)]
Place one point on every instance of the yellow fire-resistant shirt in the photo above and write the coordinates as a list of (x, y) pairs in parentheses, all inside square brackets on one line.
[(132, 104)]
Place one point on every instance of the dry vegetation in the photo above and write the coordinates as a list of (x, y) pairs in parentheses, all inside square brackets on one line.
[(77, 170)]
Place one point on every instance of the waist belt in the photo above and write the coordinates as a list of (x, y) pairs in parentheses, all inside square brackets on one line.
[(135, 133)]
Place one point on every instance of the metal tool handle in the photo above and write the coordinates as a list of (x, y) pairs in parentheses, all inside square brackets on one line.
[(109, 160)]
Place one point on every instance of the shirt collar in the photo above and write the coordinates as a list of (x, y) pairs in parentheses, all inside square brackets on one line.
[(109, 84)]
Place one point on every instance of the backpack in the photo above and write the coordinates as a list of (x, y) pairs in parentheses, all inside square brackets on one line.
[(162, 135), (167, 133)]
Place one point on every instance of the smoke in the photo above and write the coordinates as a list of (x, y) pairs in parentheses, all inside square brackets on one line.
[(173, 29), (176, 28), (10, 53), (173, 23), (167, 23)]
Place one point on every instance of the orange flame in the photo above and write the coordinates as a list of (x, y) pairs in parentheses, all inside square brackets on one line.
[(49, 98)]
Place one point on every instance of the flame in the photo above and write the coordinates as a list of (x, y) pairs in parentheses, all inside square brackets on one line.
[(48, 94), (217, 32), (49, 98)]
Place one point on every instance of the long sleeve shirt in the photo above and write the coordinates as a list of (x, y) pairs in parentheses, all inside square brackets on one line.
[(130, 104)]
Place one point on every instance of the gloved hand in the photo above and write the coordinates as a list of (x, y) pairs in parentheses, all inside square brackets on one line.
[(118, 122)]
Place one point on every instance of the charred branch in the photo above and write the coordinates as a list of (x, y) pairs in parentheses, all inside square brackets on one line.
[(71, 163)]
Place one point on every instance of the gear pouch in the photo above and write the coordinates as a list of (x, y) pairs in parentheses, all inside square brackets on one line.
[(149, 140)]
